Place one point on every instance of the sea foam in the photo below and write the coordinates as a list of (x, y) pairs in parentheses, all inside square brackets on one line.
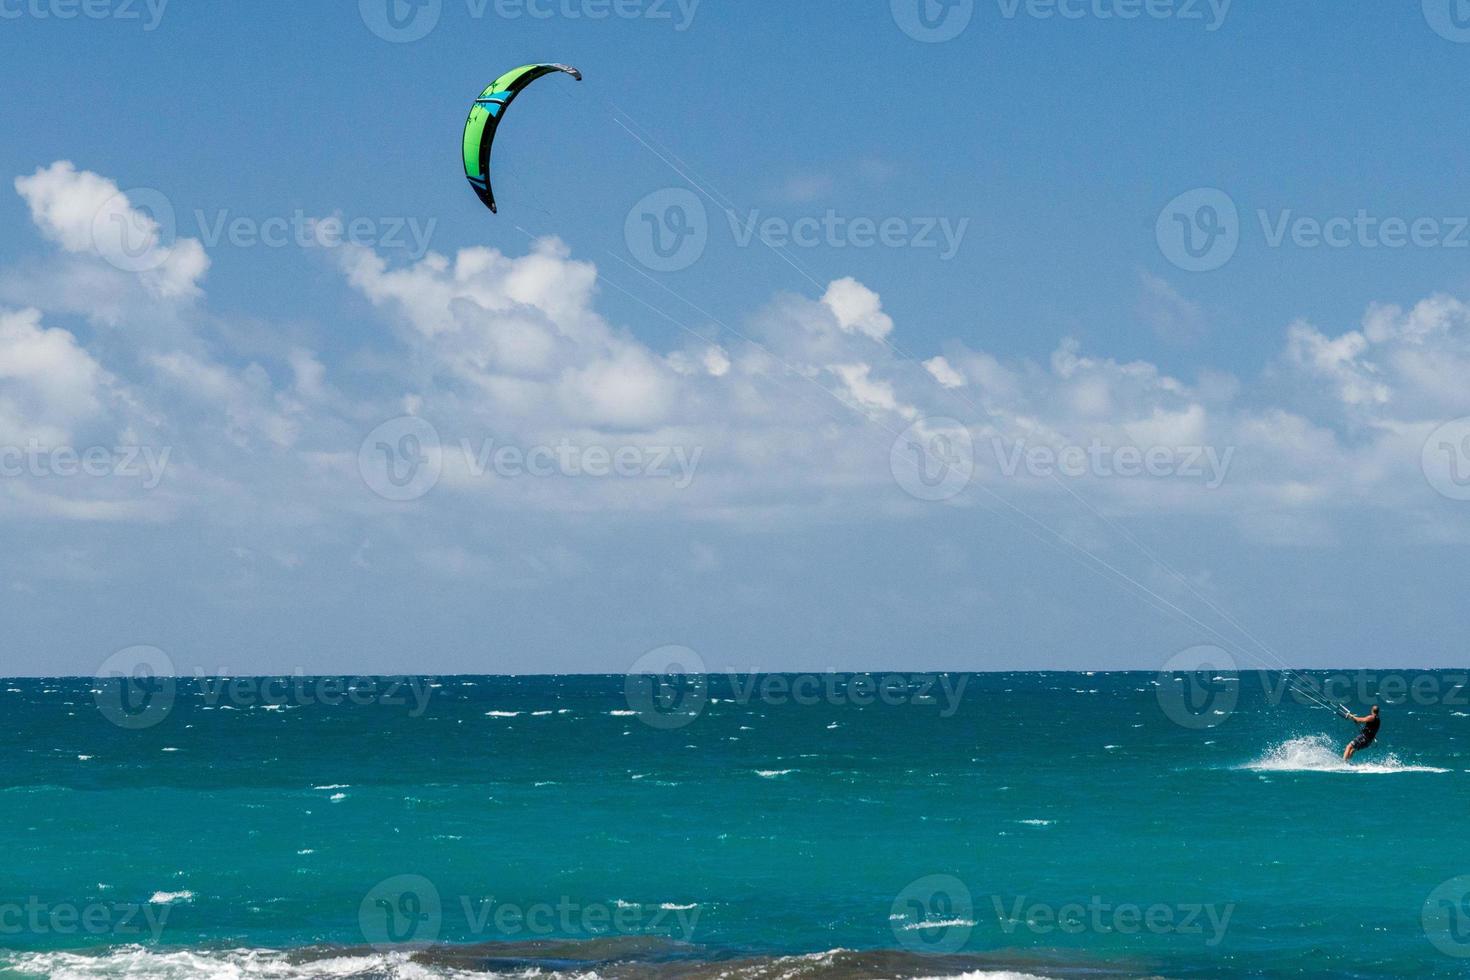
[(1318, 753)]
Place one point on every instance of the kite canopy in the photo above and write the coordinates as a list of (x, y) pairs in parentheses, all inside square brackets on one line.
[(485, 116)]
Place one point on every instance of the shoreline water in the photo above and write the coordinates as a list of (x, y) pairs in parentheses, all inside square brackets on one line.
[(1048, 824)]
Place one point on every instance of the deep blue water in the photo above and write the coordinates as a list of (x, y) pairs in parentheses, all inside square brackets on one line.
[(1050, 823)]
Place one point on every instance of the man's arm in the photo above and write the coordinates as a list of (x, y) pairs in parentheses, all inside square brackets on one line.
[(1356, 720)]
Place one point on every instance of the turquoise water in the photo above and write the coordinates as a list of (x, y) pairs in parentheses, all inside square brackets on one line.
[(1043, 823)]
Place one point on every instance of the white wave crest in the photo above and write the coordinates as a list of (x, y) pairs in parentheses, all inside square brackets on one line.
[(1318, 753), (136, 963)]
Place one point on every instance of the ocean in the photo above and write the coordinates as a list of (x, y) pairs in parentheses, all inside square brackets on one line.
[(792, 826)]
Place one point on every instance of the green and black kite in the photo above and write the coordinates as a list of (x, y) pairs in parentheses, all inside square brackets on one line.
[(485, 116)]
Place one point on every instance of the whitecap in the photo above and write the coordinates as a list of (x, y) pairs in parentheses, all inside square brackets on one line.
[(169, 898), (1318, 753)]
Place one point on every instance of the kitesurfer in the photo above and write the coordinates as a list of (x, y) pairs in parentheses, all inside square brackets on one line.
[(1370, 723)]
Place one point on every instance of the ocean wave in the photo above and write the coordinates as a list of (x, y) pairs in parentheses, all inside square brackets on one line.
[(170, 898), (246, 964), (478, 962), (1318, 753)]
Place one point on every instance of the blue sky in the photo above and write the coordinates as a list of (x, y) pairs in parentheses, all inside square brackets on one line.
[(760, 388)]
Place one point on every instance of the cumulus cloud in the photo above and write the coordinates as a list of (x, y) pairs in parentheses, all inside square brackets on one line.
[(944, 373), (523, 332), (88, 214), (799, 407), (48, 383), (858, 309)]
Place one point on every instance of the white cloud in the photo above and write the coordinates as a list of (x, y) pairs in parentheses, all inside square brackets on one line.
[(944, 373), (627, 390), (858, 309), (1339, 361), (87, 214), (48, 383), (486, 344), (864, 390)]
